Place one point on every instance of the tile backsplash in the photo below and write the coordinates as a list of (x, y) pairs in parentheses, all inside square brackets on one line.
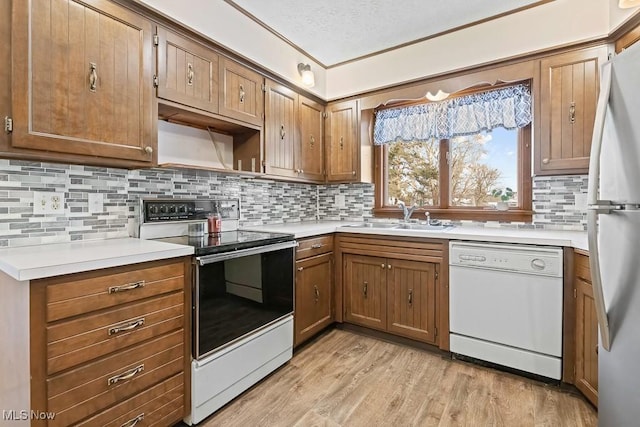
[(558, 201)]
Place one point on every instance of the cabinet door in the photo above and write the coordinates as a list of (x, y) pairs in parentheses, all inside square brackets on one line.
[(241, 95), (281, 130), (568, 95), (187, 72), (365, 281), (83, 79), (411, 299), (343, 145), (314, 295), (586, 342), (310, 155)]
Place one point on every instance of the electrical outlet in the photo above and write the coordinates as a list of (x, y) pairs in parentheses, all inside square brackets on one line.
[(96, 202), (340, 200), (581, 202), (48, 203)]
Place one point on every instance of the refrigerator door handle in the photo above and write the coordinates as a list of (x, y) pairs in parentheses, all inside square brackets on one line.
[(592, 197)]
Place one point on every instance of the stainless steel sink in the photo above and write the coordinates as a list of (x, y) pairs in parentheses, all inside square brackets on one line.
[(373, 225), (422, 227)]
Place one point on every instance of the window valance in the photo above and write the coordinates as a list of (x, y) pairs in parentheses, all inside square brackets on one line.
[(508, 107)]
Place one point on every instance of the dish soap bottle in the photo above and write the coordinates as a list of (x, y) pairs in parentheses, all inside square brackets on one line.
[(214, 221)]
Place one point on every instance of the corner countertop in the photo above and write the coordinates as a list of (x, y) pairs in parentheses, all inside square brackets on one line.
[(575, 239), (37, 262)]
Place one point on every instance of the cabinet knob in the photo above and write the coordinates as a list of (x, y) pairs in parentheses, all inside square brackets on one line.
[(353, 173), (301, 171), (382, 265), (389, 266), (300, 268), (148, 149), (545, 161)]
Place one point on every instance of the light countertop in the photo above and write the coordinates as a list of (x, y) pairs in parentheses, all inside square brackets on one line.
[(36, 262), (575, 239)]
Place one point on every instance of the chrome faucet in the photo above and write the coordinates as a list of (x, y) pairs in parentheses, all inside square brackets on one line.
[(407, 212)]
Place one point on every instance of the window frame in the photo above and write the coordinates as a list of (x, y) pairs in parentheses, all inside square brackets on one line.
[(523, 213)]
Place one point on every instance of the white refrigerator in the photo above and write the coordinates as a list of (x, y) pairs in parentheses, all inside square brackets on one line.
[(614, 238)]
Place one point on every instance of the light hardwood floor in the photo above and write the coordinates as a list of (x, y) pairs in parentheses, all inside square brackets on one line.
[(345, 379)]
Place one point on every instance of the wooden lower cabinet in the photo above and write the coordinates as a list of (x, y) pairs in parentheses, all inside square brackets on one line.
[(396, 293), (586, 338), (314, 294), (365, 290), (411, 299), (111, 347)]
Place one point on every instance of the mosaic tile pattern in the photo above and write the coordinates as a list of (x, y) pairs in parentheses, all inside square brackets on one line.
[(358, 202), (559, 202), (262, 201)]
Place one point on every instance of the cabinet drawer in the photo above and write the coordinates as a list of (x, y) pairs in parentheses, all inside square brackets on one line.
[(80, 340), (81, 392), (314, 246), (90, 292), (160, 405), (583, 271)]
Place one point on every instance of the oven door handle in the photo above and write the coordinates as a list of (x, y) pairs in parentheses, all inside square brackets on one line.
[(209, 259)]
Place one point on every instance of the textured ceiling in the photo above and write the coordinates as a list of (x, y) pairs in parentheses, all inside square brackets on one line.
[(335, 31)]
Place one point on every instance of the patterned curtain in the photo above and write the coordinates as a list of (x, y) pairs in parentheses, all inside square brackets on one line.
[(509, 108)]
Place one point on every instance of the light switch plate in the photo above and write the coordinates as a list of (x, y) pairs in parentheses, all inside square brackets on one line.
[(45, 202), (96, 202)]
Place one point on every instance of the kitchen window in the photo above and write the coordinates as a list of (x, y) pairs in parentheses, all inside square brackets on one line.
[(457, 161)]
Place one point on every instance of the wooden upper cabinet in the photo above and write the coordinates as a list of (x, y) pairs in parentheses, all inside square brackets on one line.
[(343, 145), (281, 130), (411, 299), (310, 150), (187, 72), (628, 39), (241, 94), (82, 78), (569, 84)]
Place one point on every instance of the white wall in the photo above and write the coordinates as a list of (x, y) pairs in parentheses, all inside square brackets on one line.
[(230, 28), (552, 24), (618, 16)]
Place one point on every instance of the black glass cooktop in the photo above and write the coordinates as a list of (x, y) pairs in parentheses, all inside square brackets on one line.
[(228, 241)]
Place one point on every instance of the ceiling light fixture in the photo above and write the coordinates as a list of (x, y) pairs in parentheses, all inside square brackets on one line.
[(437, 97), (307, 75), (626, 4)]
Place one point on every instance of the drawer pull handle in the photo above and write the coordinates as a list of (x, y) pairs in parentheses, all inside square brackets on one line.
[(125, 375), (410, 296), (93, 77), (127, 287), (300, 268), (241, 94), (317, 292), (126, 326), (364, 289), (316, 246), (190, 74), (133, 422)]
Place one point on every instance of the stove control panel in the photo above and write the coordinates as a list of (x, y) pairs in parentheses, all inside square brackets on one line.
[(169, 210)]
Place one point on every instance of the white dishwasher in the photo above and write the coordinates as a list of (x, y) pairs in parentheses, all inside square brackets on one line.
[(505, 305)]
